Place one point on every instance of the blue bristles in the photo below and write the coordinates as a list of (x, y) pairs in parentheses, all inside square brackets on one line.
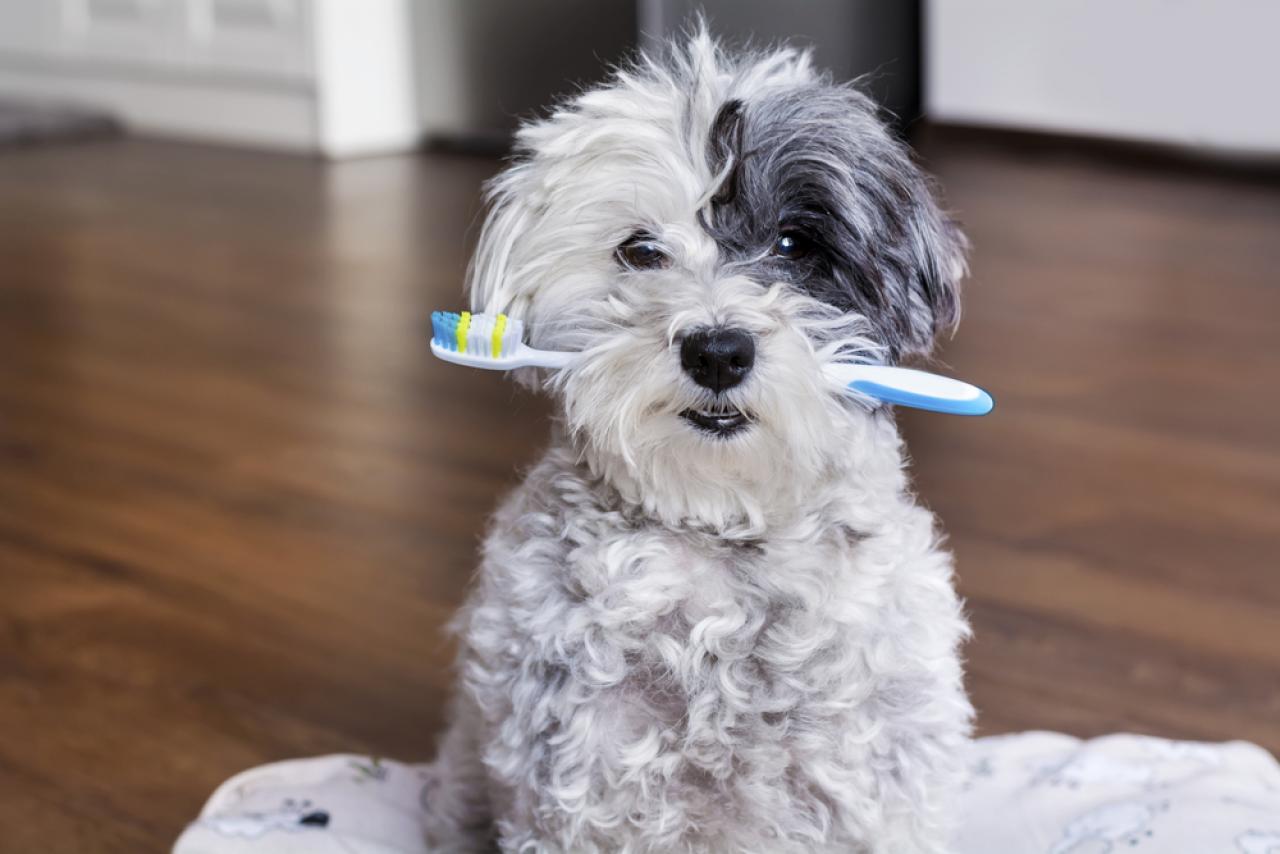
[(444, 328)]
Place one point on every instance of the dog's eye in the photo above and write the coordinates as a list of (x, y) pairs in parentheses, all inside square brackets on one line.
[(641, 252), (791, 245)]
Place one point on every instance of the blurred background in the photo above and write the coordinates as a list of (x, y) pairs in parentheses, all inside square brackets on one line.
[(238, 499)]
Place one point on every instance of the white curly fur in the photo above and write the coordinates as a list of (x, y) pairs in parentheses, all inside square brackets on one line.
[(679, 642)]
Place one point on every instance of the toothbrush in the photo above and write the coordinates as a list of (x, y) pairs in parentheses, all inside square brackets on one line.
[(496, 343), (909, 387)]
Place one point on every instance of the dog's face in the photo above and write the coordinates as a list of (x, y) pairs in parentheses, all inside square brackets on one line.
[(710, 232)]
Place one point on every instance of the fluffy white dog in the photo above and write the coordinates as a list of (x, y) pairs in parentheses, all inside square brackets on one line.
[(713, 618)]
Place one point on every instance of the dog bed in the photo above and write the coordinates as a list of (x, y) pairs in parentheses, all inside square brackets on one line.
[(1031, 792)]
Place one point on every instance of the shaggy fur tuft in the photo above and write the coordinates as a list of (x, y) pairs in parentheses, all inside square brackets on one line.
[(680, 641)]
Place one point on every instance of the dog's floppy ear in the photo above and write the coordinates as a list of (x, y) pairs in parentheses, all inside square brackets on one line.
[(937, 248), (910, 255), (500, 278), (907, 256), (493, 274)]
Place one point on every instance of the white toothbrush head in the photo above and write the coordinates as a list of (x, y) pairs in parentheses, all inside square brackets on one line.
[(491, 341)]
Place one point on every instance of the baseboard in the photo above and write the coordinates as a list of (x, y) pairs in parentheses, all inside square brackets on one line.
[(1131, 152), (189, 106)]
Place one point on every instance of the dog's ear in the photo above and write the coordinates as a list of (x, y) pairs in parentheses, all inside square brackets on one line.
[(492, 276), (908, 257), (499, 277), (937, 249)]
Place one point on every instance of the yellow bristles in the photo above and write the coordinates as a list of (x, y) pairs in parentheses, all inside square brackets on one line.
[(498, 329), (464, 326)]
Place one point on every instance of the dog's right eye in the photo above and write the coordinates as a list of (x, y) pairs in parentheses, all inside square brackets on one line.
[(641, 252)]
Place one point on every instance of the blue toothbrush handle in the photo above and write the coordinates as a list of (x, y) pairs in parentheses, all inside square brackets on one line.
[(916, 389)]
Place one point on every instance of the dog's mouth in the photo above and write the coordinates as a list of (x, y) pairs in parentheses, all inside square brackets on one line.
[(721, 422)]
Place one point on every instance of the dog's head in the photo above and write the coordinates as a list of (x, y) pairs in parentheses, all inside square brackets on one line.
[(710, 231)]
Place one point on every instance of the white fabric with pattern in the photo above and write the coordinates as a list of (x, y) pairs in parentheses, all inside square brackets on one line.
[(1030, 793)]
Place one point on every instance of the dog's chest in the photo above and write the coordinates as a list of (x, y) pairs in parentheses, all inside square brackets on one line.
[(738, 634)]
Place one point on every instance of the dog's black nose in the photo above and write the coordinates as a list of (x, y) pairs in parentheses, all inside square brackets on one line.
[(718, 358)]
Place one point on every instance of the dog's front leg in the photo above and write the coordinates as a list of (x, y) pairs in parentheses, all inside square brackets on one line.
[(455, 797)]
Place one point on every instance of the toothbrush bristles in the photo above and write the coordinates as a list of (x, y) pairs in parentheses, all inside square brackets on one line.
[(488, 335)]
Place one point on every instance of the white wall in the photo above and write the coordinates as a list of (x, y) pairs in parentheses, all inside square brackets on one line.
[(1191, 72), (328, 76)]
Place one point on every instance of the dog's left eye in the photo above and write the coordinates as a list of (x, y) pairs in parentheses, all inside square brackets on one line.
[(791, 245), (641, 252)]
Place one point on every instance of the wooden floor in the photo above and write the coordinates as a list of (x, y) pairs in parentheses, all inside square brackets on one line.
[(238, 498)]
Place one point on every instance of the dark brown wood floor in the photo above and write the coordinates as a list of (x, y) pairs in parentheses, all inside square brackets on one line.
[(238, 498)]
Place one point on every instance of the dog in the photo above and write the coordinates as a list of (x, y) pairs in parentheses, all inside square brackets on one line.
[(713, 617)]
